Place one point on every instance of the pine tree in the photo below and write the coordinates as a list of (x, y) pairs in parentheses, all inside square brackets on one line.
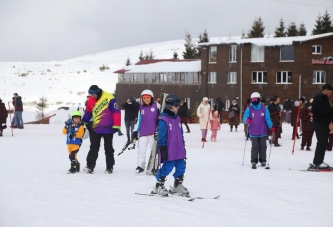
[(280, 31), (151, 55), (292, 30), (190, 50), (203, 38), (243, 35), (175, 55), (41, 105), (326, 23), (302, 30), (128, 62), (318, 26), (257, 30), (141, 58)]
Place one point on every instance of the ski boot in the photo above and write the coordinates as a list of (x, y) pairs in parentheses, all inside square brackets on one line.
[(159, 187), (179, 188), (73, 167), (108, 171), (88, 170), (139, 170), (77, 166), (312, 167), (254, 165)]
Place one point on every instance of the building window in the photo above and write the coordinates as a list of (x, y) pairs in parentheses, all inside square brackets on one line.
[(212, 54), (212, 78), (188, 102), (232, 77), (316, 49), (257, 53), (287, 53), (259, 77), (233, 53), (227, 104), (319, 77), (163, 78), (283, 77)]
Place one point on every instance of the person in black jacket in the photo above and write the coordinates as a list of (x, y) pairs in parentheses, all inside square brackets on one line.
[(18, 111), (182, 113), (287, 105), (3, 116), (322, 116), (131, 113), (219, 106)]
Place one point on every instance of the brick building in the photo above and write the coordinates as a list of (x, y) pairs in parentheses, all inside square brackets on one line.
[(233, 68)]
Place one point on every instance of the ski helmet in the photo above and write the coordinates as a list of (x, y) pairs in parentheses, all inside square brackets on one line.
[(147, 92), (76, 114), (255, 95), (172, 100)]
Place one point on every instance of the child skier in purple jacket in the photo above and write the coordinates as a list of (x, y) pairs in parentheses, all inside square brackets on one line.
[(172, 148)]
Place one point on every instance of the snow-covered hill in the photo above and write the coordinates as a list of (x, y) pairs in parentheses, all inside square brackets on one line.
[(65, 83)]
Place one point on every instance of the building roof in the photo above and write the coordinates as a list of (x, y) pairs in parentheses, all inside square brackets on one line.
[(266, 41), (163, 65)]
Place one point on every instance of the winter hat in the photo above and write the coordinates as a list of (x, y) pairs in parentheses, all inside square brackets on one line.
[(296, 104), (255, 95), (94, 89), (205, 99), (302, 99)]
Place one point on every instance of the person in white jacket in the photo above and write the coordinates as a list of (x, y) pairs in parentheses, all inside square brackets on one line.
[(203, 112)]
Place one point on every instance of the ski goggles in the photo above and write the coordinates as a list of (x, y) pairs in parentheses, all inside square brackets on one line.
[(146, 97), (255, 99), (176, 104), (91, 92)]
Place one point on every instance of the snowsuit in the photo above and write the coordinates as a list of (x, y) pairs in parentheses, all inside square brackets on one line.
[(106, 118), (260, 120), (73, 143), (214, 125), (203, 112), (146, 127), (307, 127), (170, 135)]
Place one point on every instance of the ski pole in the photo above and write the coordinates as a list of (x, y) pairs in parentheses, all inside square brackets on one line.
[(246, 139), (270, 149), (10, 117)]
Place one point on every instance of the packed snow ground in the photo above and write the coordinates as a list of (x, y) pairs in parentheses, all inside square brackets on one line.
[(36, 191)]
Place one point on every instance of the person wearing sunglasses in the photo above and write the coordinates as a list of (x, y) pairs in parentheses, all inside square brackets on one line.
[(258, 118), (105, 113), (171, 148), (145, 128)]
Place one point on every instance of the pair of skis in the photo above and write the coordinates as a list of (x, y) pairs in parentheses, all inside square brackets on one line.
[(171, 195), (130, 145)]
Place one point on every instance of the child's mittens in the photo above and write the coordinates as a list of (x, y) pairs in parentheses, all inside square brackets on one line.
[(248, 120), (272, 129), (68, 123), (164, 153)]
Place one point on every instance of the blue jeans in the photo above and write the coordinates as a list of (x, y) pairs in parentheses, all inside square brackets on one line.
[(287, 116), (167, 167), (18, 118)]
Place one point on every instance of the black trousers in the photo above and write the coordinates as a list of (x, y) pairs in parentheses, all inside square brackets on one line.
[(259, 147), (129, 128), (322, 132), (95, 142)]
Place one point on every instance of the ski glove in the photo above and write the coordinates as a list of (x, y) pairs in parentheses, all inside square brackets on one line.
[(164, 154), (68, 123), (272, 129), (248, 120), (135, 135)]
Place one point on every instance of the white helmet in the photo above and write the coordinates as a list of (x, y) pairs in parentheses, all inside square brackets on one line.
[(255, 95), (147, 92)]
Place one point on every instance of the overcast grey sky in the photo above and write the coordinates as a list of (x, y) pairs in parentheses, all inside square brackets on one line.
[(44, 30)]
